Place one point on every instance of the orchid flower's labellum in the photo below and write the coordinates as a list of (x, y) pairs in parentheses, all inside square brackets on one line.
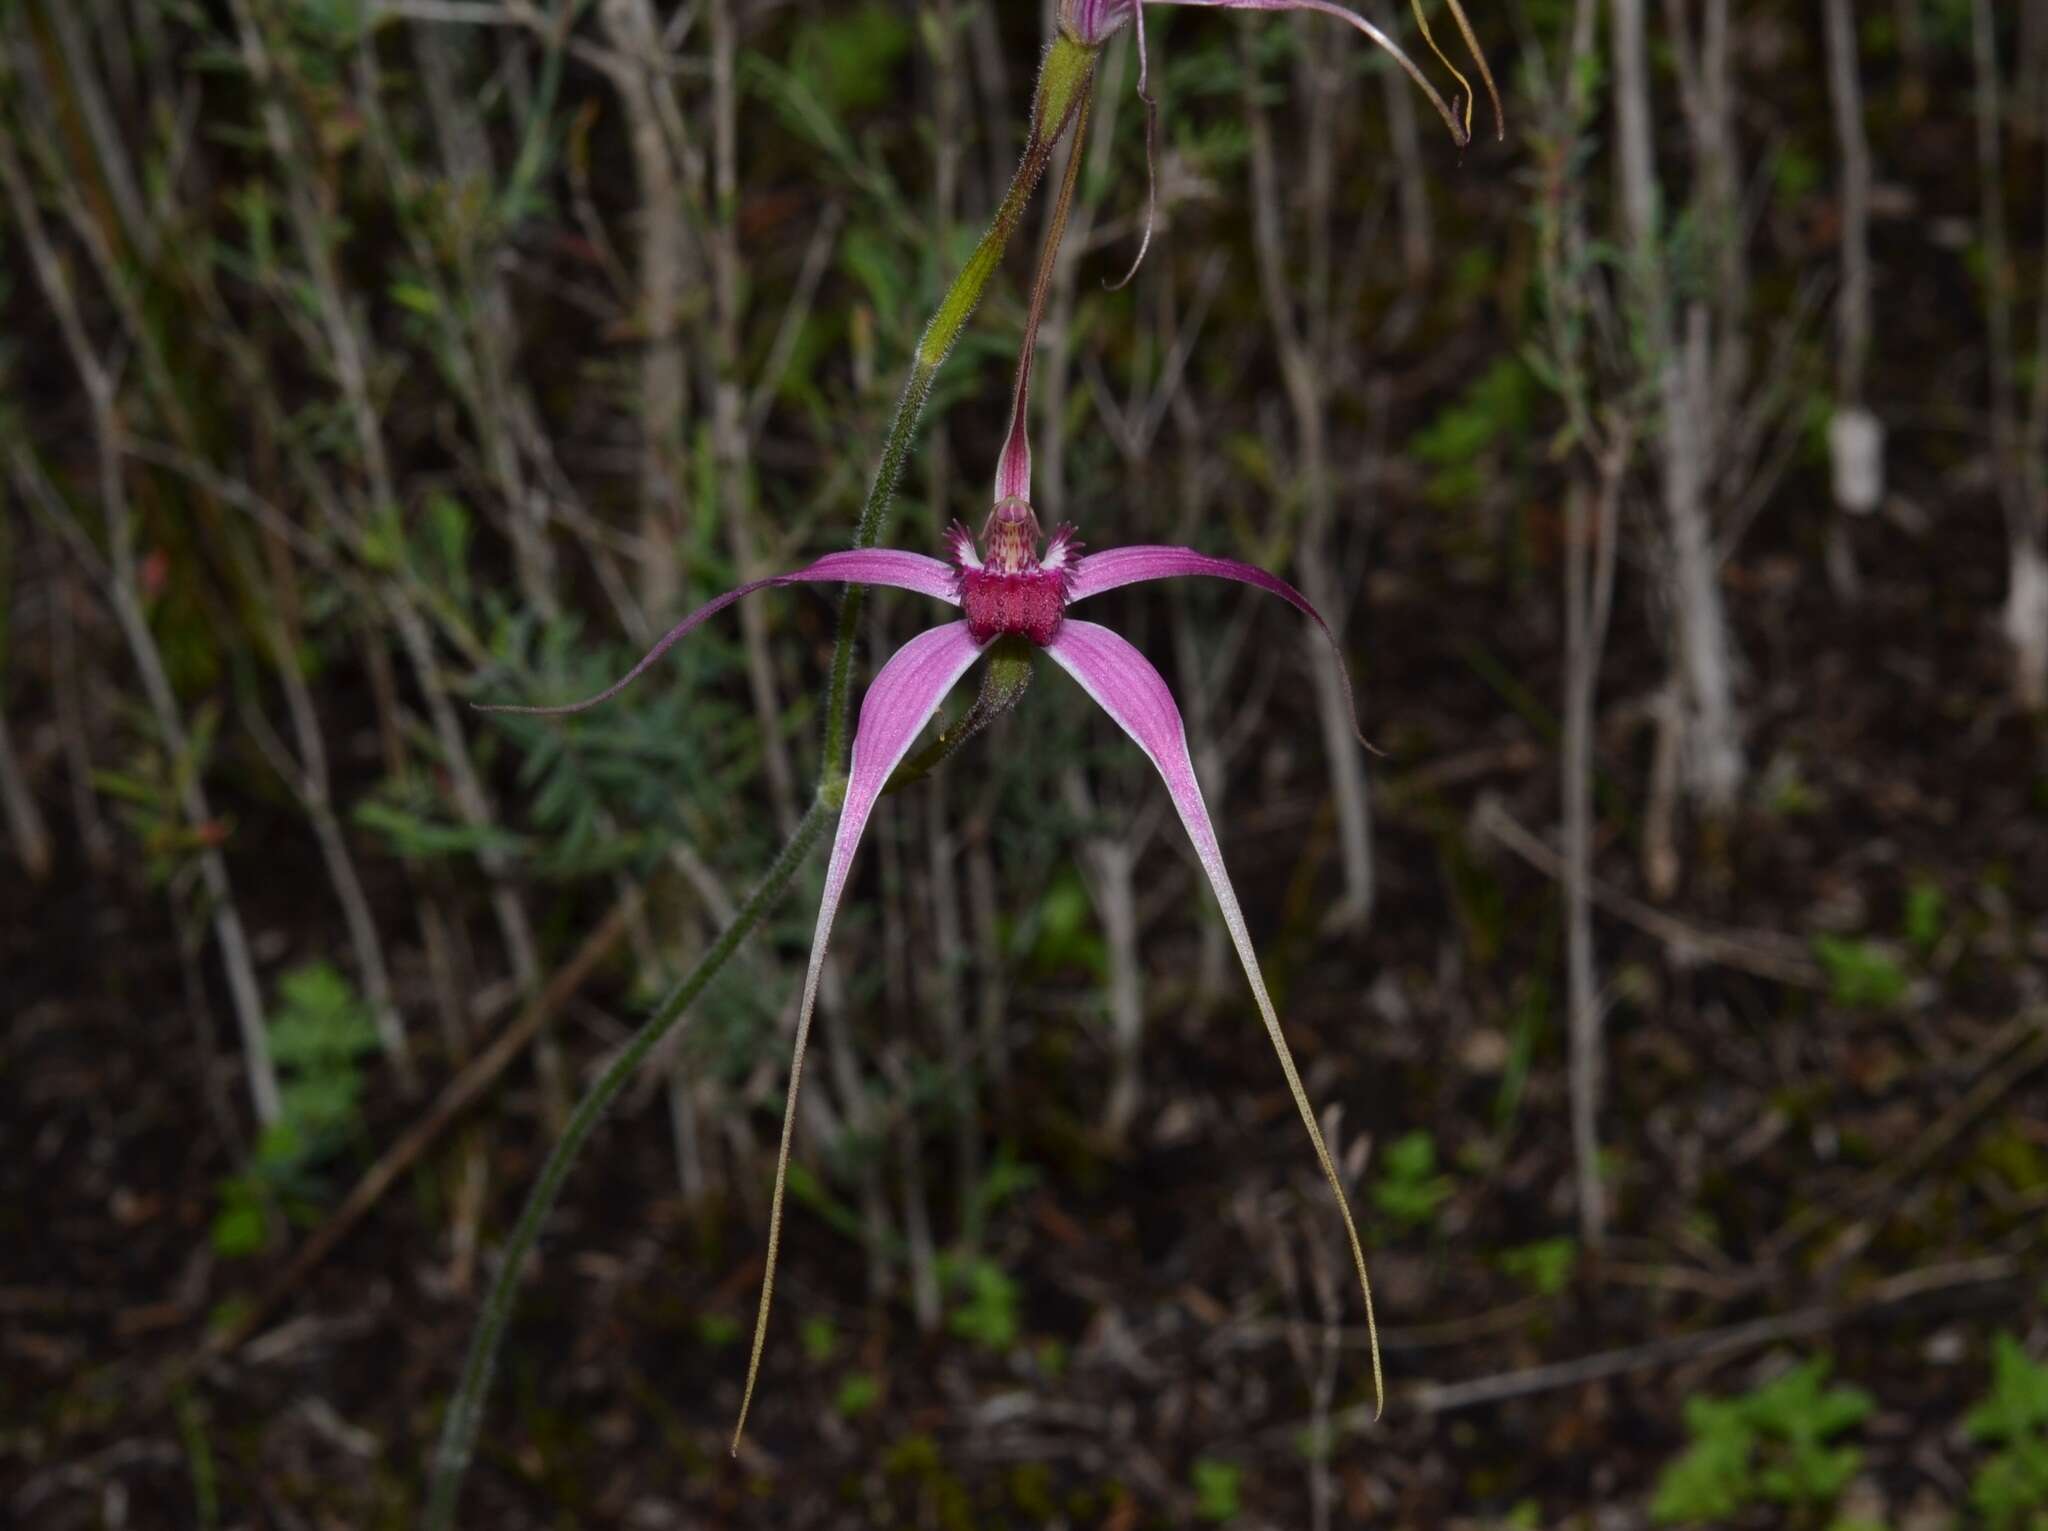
[(1013, 590), (1091, 23), (1013, 587)]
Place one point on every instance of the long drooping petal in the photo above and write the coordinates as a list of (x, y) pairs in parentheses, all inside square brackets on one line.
[(901, 701), (1115, 567), (864, 566), (1461, 132), (1124, 684)]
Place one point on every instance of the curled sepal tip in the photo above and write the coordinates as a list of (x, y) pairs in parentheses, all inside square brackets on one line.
[(1500, 117), (1151, 106), (1351, 18)]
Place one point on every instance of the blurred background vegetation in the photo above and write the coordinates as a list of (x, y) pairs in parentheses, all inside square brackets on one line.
[(1676, 980)]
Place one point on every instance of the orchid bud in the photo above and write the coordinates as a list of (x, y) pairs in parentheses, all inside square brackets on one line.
[(1064, 78), (1091, 23)]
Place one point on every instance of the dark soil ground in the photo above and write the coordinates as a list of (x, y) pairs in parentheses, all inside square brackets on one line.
[(1791, 1173)]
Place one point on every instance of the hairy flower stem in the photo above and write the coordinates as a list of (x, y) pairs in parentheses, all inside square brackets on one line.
[(1064, 81), (465, 1409)]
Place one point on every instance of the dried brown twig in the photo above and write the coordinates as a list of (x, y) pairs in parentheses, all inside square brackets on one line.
[(1764, 953), (1729, 1339)]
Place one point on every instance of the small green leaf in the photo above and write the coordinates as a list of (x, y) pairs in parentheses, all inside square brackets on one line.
[(1218, 1489), (1409, 1190), (1862, 975), (1926, 915), (719, 1331), (1544, 1267), (1770, 1445), (2018, 1405), (239, 1227), (418, 298), (858, 1394), (989, 1316), (849, 61), (1712, 1480), (820, 1339)]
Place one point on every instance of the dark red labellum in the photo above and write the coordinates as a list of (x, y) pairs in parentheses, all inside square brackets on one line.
[(1027, 604)]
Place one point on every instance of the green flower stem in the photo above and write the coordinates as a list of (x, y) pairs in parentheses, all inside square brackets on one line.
[(465, 1409), (1063, 82)]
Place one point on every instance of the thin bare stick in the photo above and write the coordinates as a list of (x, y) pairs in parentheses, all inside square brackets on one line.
[(1703, 651), (1762, 953), (1411, 177), (1109, 867), (119, 573), (343, 346), (477, 332), (1855, 438), (1590, 547), (307, 775), (1730, 1339), (730, 446), (116, 174), (25, 825), (1852, 142), (67, 685), (2026, 608), (2017, 1051), (1305, 369), (667, 268)]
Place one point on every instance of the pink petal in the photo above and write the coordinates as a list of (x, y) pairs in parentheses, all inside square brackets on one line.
[(901, 701), (1460, 134), (864, 566), (1092, 21), (1123, 682), (885, 566), (1114, 567)]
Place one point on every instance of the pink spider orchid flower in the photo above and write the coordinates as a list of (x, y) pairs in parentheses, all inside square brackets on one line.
[(1012, 588), (1091, 23), (1008, 586)]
